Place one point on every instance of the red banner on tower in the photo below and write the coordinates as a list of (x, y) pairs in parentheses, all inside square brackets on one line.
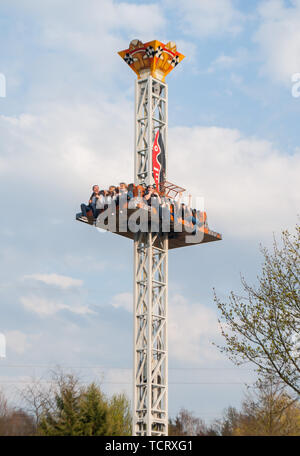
[(158, 160)]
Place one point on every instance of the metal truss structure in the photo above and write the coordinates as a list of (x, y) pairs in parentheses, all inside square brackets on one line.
[(150, 397), (151, 114), (150, 382)]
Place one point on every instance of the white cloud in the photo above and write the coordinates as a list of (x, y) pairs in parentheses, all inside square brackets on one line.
[(69, 145), (2, 346), (93, 29), (19, 342), (221, 62), (123, 301), (192, 329), (46, 307), (224, 60), (85, 262), (116, 381), (239, 58), (250, 188), (55, 279), (278, 36), (207, 17)]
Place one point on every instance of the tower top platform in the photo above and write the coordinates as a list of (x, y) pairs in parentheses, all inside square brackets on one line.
[(152, 58)]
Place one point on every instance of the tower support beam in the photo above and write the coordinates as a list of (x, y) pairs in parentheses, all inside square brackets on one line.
[(150, 395), (150, 382)]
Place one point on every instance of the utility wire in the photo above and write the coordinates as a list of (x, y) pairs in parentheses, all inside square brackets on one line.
[(128, 383), (48, 366)]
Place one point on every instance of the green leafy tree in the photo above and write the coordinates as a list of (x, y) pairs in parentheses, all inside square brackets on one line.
[(227, 424), (70, 409), (93, 412), (119, 415), (62, 416), (263, 326), (268, 411)]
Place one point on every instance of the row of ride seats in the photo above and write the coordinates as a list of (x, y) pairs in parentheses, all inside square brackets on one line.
[(139, 191)]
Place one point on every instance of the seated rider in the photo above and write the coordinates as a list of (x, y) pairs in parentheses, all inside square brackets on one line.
[(190, 214), (101, 201), (91, 206), (123, 194), (177, 211), (150, 193), (112, 194)]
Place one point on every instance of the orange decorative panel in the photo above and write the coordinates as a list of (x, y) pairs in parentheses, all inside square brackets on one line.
[(153, 58)]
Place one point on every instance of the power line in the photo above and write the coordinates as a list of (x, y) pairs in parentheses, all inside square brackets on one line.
[(127, 383), (48, 366)]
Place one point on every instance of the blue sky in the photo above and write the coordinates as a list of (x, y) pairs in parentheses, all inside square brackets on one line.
[(67, 123)]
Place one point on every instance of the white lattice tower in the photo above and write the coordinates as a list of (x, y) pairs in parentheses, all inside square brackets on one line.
[(152, 62), (150, 400)]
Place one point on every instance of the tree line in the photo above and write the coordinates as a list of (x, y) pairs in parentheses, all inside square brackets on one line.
[(67, 408), (267, 410)]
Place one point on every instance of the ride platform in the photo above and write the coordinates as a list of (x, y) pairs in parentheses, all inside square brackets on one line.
[(176, 239)]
